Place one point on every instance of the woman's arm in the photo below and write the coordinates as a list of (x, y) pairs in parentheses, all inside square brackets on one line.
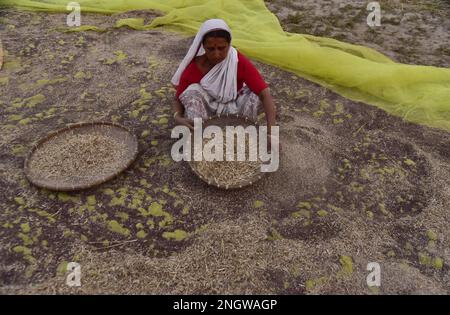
[(178, 115), (269, 108), (253, 79), (177, 107)]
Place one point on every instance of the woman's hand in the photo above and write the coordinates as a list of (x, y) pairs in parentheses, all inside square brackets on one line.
[(178, 110), (181, 120)]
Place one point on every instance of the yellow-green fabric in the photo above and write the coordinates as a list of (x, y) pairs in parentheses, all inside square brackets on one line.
[(419, 94)]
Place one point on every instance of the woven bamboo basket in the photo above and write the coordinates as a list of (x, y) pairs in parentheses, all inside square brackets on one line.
[(117, 132), (223, 121)]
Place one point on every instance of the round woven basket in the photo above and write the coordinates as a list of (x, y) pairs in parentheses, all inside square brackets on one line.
[(115, 131), (223, 121)]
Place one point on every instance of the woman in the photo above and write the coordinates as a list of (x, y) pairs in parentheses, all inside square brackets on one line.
[(214, 79)]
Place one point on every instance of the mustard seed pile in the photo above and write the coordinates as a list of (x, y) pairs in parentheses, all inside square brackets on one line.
[(228, 173), (78, 156)]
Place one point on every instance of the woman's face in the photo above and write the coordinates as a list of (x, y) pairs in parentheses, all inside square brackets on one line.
[(216, 49)]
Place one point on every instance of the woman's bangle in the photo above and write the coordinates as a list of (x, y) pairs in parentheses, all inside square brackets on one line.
[(175, 114)]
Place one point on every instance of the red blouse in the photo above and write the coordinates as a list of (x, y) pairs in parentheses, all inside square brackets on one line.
[(246, 73)]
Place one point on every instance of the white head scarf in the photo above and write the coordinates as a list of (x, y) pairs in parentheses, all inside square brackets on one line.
[(221, 81)]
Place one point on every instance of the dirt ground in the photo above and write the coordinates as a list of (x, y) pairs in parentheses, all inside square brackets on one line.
[(355, 185)]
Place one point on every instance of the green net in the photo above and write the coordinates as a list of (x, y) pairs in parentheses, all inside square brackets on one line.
[(419, 94)]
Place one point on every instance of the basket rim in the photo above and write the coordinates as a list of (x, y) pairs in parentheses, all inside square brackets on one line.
[(57, 132)]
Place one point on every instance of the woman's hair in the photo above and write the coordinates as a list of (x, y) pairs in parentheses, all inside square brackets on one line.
[(217, 33)]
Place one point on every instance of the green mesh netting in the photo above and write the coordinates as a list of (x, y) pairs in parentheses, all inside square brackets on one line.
[(419, 94)]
